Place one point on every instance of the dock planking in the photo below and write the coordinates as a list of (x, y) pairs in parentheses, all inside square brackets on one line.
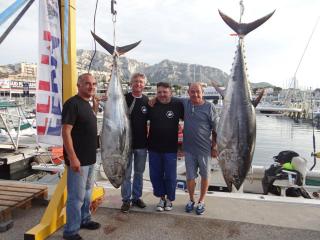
[(15, 194)]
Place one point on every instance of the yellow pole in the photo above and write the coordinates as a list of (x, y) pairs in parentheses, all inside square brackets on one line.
[(69, 71)]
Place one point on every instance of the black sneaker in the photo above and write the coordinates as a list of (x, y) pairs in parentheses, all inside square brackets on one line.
[(73, 237), (125, 207), (139, 203), (91, 225)]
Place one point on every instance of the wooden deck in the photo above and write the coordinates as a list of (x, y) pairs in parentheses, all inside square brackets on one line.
[(15, 194)]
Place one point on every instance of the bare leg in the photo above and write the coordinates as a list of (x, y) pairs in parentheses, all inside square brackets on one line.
[(191, 185), (204, 188)]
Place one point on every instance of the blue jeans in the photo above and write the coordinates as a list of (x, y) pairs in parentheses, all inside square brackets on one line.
[(139, 157), (163, 174), (79, 188)]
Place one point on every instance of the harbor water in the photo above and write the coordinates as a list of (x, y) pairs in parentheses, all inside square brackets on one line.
[(278, 133), (274, 134)]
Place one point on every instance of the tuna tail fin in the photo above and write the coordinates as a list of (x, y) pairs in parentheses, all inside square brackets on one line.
[(120, 50), (243, 29)]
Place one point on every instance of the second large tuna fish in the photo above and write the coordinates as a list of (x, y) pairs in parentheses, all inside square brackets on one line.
[(116, 130), (236, 133)]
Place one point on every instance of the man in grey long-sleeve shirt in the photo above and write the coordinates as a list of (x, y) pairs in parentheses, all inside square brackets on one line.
[(199, 143)]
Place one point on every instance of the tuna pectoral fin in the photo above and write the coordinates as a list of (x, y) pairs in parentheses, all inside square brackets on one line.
[(218, 89), (258, 99), (243, 29), (110, 48)]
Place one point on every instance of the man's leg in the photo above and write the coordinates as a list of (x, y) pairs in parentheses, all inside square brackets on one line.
[(126, 185), (140, 156), (76, 185), (156, 173), (204, 167), (204, 188), (170, 178), (88, 174), (170, 175), (191, 186), (191, 172), (204, 170)]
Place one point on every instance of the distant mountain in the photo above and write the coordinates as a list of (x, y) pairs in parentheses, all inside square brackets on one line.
[(184, 73), (262, 85), (102, 62), (166, 70)]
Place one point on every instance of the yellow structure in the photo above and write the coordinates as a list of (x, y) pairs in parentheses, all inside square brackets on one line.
[(55, 215)]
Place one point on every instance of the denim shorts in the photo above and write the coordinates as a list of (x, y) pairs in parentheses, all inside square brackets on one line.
[(195, 162)]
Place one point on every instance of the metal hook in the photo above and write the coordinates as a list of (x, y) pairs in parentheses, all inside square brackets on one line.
[(113, 11)]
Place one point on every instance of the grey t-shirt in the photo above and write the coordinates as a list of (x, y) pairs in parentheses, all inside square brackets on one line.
[(199, 121)]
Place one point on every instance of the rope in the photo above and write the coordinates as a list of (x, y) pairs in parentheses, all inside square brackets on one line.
[(241, 10), (114, 21), (294, 79), (313, 136), (94, 31), (305, 49)]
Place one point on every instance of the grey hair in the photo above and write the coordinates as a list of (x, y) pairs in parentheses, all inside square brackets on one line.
[(196, 84), (82, 76), (138, 74)]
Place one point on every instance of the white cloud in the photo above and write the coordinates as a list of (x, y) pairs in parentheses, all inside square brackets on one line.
[(192, 31)]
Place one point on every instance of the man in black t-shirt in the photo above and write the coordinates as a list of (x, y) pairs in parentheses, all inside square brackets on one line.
[(79, 133), (163, 145), (137, 105)]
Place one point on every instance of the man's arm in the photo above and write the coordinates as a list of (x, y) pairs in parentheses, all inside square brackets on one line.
[(68, 145), (96, 101), (214, 149)]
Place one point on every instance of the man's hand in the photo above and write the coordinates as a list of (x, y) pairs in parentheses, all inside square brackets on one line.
[(75, 165), (96, 100), (214, 151), (152, 102)]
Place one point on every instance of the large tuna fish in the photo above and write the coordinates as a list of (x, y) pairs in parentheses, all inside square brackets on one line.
[(236, 133), (116, 132)]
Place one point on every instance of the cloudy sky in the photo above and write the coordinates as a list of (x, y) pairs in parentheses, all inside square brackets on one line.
[(192, 31)]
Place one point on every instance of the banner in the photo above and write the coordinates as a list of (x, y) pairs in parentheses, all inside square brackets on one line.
[(49, 79)]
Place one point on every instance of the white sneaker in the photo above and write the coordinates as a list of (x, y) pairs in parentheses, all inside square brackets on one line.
[(168, 206), (160, 206)]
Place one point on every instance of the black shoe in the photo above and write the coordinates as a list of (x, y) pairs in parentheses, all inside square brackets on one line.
[(125, 207), (139, 203), (73, 237), (91, 225)]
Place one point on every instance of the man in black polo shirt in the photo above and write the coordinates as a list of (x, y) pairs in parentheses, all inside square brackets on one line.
[(79, 133), (137, 105), (163, 145)]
